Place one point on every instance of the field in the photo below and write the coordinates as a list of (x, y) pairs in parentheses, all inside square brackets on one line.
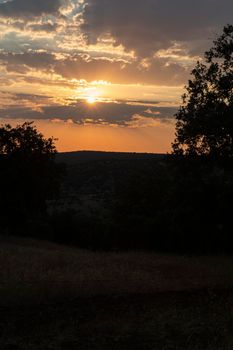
[(57, 297)]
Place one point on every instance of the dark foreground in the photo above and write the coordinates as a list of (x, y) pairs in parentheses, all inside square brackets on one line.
[(62, 298), (171, 320)]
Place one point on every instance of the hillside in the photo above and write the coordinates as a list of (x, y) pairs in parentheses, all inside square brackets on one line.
[(86, 156), (100, 172), (92, 192)]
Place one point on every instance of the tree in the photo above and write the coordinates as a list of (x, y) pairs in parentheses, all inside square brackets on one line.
[(204, 123), (28, 172)]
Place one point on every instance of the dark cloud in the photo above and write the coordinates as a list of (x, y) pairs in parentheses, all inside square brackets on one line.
[(159, 70), (22, 8), (80, 112), (39, 60), (45, 27), (149, 25), (20, 97)]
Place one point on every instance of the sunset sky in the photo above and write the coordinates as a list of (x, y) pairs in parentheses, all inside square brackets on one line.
[(103, 74)]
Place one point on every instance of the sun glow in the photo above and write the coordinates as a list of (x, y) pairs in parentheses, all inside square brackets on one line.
[(91, 99)]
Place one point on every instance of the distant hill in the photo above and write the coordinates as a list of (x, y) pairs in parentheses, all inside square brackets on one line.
[(100, 174), (87, 156)]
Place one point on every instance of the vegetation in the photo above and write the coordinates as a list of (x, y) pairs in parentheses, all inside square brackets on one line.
[(204, 122), (157, 204), (29, 174)]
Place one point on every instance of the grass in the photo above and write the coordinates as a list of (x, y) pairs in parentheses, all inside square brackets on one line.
[(56, 297)]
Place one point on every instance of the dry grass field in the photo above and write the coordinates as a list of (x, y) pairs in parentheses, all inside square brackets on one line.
[(57, 297)]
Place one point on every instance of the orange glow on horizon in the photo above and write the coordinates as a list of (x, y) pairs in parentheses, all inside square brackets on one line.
[(73, 137)]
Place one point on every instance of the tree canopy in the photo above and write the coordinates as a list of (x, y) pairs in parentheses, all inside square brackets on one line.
[(28, 172), (25, 140), (204, 124)]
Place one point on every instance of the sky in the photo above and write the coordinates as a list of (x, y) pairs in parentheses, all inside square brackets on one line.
[(103, 74)]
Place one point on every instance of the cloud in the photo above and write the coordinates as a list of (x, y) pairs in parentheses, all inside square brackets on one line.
[(159, 70), (38, 60), (44, 27), (150, 25), (37, 107), (13, 41), (23, 8)]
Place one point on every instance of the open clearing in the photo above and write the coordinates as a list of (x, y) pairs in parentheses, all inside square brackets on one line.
[(56, 297)]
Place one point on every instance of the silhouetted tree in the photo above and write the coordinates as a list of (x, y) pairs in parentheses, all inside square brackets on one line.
[(205, 120), (29, 174)]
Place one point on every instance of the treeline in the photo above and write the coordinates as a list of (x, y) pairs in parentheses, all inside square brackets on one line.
[(173, 205)]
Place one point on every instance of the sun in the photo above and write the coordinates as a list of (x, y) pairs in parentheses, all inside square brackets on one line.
[(91, 99)]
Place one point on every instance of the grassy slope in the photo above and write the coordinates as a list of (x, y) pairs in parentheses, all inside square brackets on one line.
[(54, 297)]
